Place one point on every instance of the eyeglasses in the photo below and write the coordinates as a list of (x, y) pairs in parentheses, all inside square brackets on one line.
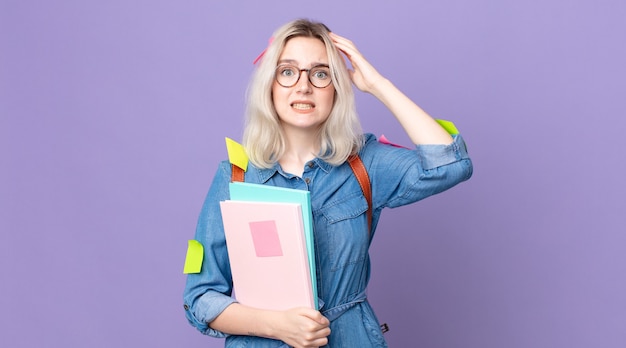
[(288, 75)]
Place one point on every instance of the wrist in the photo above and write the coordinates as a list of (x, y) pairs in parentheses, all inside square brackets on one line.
[(382, 89), (266, 324)]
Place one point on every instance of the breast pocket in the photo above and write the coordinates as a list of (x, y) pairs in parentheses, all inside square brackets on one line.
[(346, 231)]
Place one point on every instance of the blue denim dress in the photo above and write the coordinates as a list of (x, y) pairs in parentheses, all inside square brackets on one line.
[(398, 176)]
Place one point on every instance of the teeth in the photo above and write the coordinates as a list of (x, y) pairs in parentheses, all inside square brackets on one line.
[(302, 106)]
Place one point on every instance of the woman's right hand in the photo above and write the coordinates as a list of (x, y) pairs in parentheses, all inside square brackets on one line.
[(301, 328)]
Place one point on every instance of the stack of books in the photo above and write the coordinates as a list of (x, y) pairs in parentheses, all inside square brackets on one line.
[(269, 235)]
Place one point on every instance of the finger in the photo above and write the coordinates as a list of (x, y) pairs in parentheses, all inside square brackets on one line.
[(345, 47), (316, 316), (351, 52), (318, 338), (339, 38), (344, 44)]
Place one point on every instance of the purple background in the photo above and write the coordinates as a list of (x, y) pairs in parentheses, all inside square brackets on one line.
[(113, 118)]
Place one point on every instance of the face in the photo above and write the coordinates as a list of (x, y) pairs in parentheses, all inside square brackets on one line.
[(303, 106)]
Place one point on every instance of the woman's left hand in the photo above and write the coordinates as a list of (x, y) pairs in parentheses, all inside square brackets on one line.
[(420, 127), (364, 75)]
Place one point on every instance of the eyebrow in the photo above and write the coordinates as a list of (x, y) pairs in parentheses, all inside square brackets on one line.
[(295, 62)]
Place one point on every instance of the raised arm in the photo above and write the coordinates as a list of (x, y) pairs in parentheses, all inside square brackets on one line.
[(420, 127)]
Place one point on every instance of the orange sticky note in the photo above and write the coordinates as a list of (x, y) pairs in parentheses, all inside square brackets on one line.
[(448, 126), (237, 154), (193, 261)]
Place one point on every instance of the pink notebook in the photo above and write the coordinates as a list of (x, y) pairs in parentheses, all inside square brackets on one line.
[(268, 255)]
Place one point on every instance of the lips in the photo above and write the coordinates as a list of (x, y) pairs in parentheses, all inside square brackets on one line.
[(301, 105)]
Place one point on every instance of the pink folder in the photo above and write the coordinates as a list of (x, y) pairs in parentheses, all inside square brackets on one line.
[(267, 253)]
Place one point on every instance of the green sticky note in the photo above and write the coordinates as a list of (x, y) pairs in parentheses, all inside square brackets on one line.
[(193, 261), (448, 126)]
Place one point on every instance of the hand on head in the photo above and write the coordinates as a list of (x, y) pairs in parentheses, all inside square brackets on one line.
[(364, 76)]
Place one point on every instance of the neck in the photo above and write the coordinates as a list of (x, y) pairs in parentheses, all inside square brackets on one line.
[(301, 148)]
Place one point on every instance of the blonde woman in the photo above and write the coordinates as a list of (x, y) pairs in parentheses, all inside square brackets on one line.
[(301, 129)]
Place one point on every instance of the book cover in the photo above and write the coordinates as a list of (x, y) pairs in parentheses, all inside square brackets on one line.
[(242, 191), (267, 253)]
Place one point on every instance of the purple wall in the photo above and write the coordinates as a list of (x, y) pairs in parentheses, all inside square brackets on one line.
[(112, 119)]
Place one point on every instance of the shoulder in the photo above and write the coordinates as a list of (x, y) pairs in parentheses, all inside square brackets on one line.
[(252, 173), (224, 168), (369, 138), (370, 142)]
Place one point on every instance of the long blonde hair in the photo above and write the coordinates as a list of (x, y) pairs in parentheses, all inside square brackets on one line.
[(263, 138)]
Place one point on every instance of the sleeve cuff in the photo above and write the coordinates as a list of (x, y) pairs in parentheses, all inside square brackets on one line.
[(433, 156), (205, 310)]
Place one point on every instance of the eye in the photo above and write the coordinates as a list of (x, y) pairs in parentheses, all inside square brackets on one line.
[(321, 73), (287, 71)]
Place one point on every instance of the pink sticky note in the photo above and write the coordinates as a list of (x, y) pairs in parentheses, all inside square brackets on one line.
[(265, 50), (265, 238), (383, 139)]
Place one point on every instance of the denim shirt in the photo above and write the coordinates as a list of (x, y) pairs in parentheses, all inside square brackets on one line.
[(398, 176)]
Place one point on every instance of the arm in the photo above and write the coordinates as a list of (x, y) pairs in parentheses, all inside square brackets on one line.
[(208, 304), (420, 127), (298, 327)]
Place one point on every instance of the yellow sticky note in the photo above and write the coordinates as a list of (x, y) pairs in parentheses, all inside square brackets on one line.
[(193, 261), (237, 154), (448, 126)]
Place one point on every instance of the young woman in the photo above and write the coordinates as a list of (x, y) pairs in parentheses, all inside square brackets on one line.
[(301, 129)]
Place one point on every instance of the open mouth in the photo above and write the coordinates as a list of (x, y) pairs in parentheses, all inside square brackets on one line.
[(302, 106)]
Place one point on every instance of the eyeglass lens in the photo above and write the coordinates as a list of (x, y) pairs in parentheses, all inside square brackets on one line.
[(288, 75)]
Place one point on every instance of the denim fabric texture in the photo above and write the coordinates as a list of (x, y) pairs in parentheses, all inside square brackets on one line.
[(398, 176)]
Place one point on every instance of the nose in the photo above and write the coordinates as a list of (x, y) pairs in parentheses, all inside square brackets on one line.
[(304, 85)]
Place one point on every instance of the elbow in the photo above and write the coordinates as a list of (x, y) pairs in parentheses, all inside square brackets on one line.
[(193, 321), (445, 177), (466, 169), (459, 171)]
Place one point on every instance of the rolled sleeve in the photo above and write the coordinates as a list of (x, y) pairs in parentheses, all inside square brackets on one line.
[(208, 292), (205, 310), (433, 156), (402, 176)]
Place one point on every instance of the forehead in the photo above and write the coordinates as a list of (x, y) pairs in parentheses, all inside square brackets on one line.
[(304, 50)]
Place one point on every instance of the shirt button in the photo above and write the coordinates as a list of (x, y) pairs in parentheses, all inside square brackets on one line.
[(186, 307), (307, 180), (311, 164)]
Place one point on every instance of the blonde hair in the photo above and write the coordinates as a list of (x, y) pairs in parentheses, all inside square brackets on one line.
[(340, 135)]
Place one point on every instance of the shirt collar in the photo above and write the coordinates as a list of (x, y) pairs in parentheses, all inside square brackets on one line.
[(325, 166), (266, 173)]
